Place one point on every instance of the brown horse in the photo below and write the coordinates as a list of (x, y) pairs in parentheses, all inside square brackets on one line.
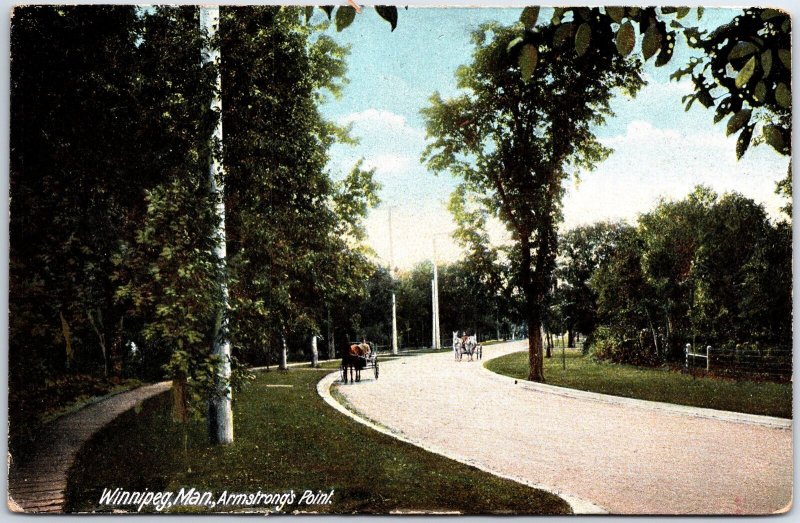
[(353, 359)]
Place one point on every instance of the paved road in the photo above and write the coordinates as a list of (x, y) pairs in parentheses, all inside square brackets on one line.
[(39, 484), (626, 457)]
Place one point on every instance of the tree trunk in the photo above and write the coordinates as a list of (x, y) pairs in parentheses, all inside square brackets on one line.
[(331, 344), (549, 345), (97, 326), (652, 331), (220, 410), (571, 339), (314, 352), (534, 292), (394, 324), (115, 349), (282, 365), (535, 345), (67, 339)]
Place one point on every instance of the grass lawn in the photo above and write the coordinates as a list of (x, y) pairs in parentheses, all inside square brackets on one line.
[(583, 373), (287, 438)]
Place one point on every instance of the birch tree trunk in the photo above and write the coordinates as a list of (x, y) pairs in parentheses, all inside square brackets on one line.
[(220, 415)]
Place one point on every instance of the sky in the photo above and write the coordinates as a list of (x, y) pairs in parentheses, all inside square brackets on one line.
[(660, 150)]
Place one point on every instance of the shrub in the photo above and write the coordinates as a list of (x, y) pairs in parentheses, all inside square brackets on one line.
[(615, 346)]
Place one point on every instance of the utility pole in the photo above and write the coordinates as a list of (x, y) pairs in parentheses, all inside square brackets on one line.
[(437, 343), (391, 273), (220, 413), (433, 313)]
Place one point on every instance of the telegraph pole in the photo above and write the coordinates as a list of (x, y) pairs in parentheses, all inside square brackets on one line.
[(437, 343), (391, 273)]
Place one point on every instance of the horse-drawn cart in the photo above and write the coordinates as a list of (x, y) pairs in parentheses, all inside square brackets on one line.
[(466, 345), (357, 360)]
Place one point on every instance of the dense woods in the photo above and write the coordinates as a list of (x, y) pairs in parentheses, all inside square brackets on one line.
[(114, 273)]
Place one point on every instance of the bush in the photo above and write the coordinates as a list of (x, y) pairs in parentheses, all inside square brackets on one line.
[(613, 345)]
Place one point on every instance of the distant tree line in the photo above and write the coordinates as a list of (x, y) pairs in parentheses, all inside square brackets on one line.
[(705, 270)]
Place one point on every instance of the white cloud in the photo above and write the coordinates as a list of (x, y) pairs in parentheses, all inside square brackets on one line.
[(388, 163), (640, 133), (650, 163), (371, 119)]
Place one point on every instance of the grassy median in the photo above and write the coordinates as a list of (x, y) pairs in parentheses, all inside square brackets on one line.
[(287, 438), (584, 373)]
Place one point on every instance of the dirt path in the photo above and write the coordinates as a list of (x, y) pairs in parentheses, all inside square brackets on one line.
[(628, 457), (39, 484)]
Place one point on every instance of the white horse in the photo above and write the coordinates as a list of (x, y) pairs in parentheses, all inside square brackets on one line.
[(472, 347), (456, 345)]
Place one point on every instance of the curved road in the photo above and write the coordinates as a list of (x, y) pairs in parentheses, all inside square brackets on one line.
[(629, 457)]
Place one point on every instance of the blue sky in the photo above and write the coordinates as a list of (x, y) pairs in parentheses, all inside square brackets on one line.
[(660, 150)]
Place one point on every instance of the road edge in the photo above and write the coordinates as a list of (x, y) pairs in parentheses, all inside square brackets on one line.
[(672, 408), (578, 505)]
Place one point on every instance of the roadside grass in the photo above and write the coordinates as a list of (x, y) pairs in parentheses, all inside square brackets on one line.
[(287, 438), (584, 373), (495, 342)]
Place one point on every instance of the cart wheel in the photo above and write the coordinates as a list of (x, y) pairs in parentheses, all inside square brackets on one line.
[(376, 370)]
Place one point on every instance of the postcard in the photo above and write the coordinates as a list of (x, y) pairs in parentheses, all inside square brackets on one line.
[(359, 259)]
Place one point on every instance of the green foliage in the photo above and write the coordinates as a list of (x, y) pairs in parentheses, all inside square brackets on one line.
[(114, 225), (755, 46), (344, 17), (70, 185), (529, 16), (748, 46), (110, 151), (613, 345), (580, 253), (705, 270), (295, 237), (624, 296), (513, 136), (388, 13)]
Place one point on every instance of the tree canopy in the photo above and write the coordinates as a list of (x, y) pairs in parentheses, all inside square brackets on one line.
[(113, 222), (514, 137)]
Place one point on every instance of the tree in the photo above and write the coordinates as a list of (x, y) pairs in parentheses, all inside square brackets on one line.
[(742, 265), (414, 304), (109, 146), (513, 137), (625, 303), (580, 251), (295, 235), (481, 262), (672, 234), (701, 270), (114, 228), (69, 191)]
